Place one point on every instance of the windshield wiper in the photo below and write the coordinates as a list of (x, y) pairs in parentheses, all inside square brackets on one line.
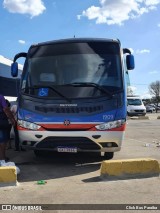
[(49, 87), (90, 84)]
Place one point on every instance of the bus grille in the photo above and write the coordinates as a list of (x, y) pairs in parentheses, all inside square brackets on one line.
[(79, 142), (69, 109)]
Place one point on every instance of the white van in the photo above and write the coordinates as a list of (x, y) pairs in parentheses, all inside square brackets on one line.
[(135, 106)]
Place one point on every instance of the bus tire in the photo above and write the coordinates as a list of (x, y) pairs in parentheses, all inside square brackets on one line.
[(38, 153), (108, 155)]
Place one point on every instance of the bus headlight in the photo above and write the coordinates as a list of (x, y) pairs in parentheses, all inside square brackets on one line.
[(28, 125), (110, 125)]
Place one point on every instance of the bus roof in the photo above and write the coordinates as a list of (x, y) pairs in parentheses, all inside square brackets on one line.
[(73, 40)]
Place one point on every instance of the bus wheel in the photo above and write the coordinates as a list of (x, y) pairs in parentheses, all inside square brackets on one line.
[(108, 155)]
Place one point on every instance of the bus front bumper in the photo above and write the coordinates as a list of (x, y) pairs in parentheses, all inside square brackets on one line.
[(78, 141)]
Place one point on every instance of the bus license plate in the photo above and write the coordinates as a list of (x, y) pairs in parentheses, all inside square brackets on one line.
[(67, 149)]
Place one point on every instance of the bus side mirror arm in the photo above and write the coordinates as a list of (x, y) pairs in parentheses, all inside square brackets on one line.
[(19, 55)]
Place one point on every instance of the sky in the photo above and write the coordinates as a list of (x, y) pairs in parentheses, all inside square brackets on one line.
[(136, 23)]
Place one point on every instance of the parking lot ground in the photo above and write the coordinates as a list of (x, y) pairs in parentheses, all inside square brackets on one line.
[(75, 178)]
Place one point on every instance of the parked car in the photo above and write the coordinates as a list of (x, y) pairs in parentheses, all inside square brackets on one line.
[(135, 106), (150, 109), (157, 108)]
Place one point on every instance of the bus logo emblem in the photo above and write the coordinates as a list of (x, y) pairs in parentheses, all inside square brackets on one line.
[(66, 122)]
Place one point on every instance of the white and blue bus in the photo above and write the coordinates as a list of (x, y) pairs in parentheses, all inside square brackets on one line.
[(72, 96)]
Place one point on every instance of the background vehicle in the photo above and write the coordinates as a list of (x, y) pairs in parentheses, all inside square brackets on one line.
[(150, 109), (72, 96), (135, 106), (156, 108)]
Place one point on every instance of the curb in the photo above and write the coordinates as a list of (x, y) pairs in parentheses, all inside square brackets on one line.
[(139, 118), (8, 175), (130, 168)]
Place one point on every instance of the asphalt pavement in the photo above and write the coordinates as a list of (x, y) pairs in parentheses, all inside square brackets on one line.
[(75, 178)]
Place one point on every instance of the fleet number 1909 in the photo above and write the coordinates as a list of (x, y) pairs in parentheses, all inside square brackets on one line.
[(107, 117)]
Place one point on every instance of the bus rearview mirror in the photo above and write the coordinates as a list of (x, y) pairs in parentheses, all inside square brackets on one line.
[(14, 69), (130, 62)]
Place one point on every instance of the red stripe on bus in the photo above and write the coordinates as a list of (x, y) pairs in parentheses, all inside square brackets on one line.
[(70, 126), (89, 127)]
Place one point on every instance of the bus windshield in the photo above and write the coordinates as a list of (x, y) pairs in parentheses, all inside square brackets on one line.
[(64, 65)]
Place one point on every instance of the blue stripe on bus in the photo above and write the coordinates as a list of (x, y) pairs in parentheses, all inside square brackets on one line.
[(101, 117)]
